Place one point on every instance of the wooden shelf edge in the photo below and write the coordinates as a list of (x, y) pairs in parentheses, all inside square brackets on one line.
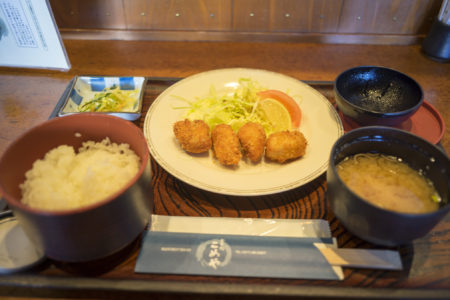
[(222, 36)]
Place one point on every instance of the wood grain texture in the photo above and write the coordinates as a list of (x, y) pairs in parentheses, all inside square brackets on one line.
[(388, 17), (222, 19), (239, 36), (28, 97), (305, 15), (251, 15), (103, 14), (178, 15)]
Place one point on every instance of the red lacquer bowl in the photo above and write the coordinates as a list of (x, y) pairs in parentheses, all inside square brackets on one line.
[(88, 233)]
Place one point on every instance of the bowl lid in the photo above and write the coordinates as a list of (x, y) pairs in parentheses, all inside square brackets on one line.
[(17, 253)]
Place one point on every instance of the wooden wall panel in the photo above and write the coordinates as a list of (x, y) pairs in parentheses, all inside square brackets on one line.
[(305, 15), (98, 14), (251, 15), (348, 21), (421, 16), (178, 14), (387, 17)]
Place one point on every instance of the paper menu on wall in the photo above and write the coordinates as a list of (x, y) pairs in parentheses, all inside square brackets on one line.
[(29, 37)]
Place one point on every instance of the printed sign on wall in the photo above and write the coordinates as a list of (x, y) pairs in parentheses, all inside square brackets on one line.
[(29, 37)]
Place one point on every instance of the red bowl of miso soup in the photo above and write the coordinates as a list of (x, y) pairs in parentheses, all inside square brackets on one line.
[(387, 186)]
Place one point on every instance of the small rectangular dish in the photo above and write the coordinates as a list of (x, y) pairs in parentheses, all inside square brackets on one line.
[(119, 96)]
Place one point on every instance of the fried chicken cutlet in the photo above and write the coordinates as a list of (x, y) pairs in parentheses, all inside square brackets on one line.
[(226, 145), (193, 135), (285, 145), (253, 139)]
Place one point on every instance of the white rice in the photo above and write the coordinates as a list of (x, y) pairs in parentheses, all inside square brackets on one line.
[(65, 179)]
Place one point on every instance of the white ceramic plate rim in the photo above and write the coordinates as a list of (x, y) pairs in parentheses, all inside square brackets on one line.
[(321, 126)]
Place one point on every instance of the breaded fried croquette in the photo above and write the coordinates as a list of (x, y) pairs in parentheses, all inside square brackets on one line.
[(193, 135), (226, 145), (285, 145), (253, 140)]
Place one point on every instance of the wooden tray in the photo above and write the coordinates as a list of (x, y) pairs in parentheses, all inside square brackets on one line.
[(426, 273)]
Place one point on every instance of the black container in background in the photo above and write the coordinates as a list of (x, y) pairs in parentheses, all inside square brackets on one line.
[(436, 44)]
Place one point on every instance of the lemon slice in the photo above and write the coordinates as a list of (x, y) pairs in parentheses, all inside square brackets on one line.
[(276, 114)]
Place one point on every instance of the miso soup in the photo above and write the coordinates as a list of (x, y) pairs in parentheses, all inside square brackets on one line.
[(388, 182)]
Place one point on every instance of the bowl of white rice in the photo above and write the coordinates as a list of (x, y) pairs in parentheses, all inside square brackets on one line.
[(80, 185)]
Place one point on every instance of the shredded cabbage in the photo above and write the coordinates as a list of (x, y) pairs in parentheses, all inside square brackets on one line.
[(235, 108)]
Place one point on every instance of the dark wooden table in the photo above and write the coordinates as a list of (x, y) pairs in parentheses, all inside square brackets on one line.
[(30, 96)]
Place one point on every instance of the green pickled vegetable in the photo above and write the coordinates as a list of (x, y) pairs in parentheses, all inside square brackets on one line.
[(436, 198), (111, 100)]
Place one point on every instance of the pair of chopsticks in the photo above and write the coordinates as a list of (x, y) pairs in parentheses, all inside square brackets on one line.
[(361, 258)]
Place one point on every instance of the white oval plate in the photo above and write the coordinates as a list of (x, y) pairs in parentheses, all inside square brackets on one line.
[(320, 124)]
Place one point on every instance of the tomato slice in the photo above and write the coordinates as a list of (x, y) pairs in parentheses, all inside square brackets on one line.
[(288, 102)]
